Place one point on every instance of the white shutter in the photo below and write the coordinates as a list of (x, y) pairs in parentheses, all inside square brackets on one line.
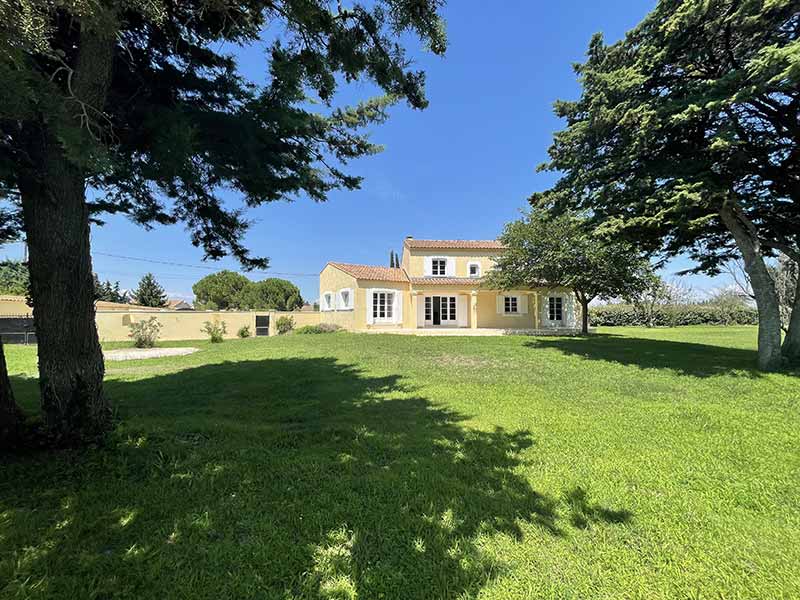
[(368, 304), (420, 310), (461, 310), (545, 311), (428, 266), (500, 306), (523, 304), (569, 311), (450, 266), (398, 306)]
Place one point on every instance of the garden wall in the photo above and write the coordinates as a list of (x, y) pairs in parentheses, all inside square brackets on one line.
[(113, 326)]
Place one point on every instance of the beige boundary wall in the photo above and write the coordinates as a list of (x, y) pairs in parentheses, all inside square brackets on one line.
[(113, 326)]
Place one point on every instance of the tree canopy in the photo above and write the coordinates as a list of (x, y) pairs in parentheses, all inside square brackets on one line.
[(219, 291), (270, 294), (562, 251), (14, 278), (147, 102), (107, 291), (686, 139)]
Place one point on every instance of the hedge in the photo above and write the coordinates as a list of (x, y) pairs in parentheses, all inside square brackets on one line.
[(618, 315), (321, 328)]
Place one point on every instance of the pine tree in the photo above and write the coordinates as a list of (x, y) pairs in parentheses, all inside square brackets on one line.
[(685, 140), (143, 102), (150, 293)]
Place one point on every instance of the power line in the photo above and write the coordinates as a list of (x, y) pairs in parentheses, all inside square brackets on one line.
[(204, 267)]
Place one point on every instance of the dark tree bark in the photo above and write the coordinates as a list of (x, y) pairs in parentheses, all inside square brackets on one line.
[(769, 317), (56, 220), (70, 359), (791, 344), (10, 414), (584, 302)]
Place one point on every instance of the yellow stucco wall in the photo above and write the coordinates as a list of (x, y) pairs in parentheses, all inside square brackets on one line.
[(360, 314), (414, 260), (333, 280), (14, 305), (113, 326), (488, 316)]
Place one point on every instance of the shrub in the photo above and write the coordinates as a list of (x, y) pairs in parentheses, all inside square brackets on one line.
[(284, 325), (216, 331), (145, 332), (321, 328), (674, 315), (244, 331)]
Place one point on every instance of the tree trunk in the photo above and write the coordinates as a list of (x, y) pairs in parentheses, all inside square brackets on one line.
[(10, 414), (56, 218), (584, 317), (769, 317), (70, 359), (791, 344)]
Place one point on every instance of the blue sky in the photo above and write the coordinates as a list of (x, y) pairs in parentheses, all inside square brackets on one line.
[(459, 169)]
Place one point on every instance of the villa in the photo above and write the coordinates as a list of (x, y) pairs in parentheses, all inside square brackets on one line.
[(439, 286)]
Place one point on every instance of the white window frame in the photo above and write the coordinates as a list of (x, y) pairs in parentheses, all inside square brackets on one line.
[(327, 302), (389, 306), (469, 269), (511, 302), (434, 260), (345, 304), (551, 304), (448, 309)]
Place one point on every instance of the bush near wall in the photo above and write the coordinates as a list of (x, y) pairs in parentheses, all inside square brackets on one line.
[(619, 315)]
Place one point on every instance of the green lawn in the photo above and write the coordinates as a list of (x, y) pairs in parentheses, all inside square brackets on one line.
[(636, 464)]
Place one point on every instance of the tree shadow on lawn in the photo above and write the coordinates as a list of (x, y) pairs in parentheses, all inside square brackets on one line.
[(300, 478), (686, 358)]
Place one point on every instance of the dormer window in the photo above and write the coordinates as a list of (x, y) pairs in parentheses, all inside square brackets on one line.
[(439, 267), (474, 269)]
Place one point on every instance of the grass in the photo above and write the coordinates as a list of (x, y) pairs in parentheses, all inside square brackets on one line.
[(635, 464)]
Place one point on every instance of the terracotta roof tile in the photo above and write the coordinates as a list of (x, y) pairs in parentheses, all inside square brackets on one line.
[(465, 281), (455, 244), (372, 273)]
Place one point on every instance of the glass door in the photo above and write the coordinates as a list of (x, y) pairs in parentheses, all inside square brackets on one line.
[(440, 310)]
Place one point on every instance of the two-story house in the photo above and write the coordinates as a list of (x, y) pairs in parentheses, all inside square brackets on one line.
[(438, 285)]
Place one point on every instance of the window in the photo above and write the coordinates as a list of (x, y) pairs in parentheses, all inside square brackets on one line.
[(439, 267), (474, 270), (446, 306), (262, 325), (555, 307), (511, 304), (345, 299), (327, 301), (383, 306)]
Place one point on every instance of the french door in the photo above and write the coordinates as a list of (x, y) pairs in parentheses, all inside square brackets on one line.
[(440, 310)]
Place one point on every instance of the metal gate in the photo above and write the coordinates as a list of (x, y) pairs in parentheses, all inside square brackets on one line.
[(262, 325), (17, 329)]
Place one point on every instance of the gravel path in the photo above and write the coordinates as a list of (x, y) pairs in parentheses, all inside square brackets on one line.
[(140, 353)]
